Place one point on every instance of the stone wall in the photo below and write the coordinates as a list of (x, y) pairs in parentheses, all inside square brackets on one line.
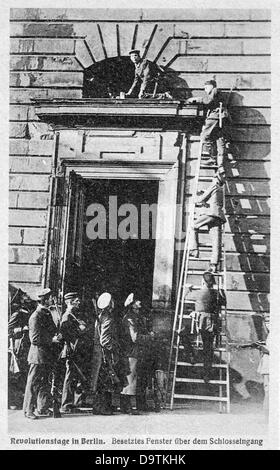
[(50, 48)]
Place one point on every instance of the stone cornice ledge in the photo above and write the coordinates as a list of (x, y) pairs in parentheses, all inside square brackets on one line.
[(76, 109)]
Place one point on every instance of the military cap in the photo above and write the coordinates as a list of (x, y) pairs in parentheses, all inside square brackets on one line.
[(134, 51), (129, 300), (71, 295), (104, 300), (211, 82), (43, 293)]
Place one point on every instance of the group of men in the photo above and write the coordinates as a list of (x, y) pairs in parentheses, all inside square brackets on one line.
[(108, 357), (149, 81), (115, 354), (211, 202)]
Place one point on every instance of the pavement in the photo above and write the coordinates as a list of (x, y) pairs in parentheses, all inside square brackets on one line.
[(205, 428)]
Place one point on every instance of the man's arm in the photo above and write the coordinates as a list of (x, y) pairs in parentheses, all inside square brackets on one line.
[(191, 292), (134, 84), (14, 329), (35, 331)]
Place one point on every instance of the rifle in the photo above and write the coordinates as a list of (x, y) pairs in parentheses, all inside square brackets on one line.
[(111, 371), (54, 394), (78, 370)]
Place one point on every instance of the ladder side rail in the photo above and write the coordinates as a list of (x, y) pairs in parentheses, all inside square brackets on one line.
[(225, 307), (177, 300), (182, 283)]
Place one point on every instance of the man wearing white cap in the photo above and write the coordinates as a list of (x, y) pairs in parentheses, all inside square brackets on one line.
[(131, 338), (42, 334), (109, 372)]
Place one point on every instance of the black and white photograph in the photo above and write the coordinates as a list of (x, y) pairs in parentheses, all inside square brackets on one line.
[(138, 309)]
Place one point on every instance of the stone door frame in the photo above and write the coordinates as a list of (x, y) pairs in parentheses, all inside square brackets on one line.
[(166, 173)]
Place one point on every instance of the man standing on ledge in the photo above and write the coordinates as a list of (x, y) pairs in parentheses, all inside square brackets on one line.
[(146, 76)]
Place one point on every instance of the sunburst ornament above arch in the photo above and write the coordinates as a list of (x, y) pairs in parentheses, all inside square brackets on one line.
[(158, 43)]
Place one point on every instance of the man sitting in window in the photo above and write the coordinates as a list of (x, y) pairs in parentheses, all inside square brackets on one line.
[(148, 80)]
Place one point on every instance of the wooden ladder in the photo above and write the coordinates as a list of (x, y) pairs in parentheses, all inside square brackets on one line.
[(185, 383)]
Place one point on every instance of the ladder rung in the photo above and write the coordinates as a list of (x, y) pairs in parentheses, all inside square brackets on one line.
[(198, 271), (209, 167), (201, 381), (200, 397), (200, 364), (202, 259), (200, 348)]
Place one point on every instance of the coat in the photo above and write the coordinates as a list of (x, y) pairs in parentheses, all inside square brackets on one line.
[(214, 199), (114, 368), (134, 338), (211, 103), (70, 331), (19, 338), (146, 73), (41, 331)]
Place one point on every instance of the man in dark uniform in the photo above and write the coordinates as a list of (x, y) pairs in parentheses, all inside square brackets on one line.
[(208, 302), (212, 215), (110, 368), (133, 340), (71, 330), (42, 334), (212, 132), (146, 78), (19, 345)]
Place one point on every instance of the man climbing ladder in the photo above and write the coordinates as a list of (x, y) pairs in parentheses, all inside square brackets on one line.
[(211, 214), (203, 373), (212, 131)]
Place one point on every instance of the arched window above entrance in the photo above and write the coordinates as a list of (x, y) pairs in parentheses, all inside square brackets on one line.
[(107, 78)]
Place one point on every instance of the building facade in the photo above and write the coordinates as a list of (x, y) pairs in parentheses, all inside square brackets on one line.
[(70, 148)]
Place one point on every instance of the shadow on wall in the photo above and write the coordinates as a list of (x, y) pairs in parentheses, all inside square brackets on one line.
[(249, 223), (249, 209)]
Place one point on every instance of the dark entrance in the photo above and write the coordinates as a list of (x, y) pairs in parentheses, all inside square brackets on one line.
[(119, 265)]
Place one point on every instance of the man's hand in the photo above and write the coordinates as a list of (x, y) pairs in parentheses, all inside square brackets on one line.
[(189, 287), (191, 100)]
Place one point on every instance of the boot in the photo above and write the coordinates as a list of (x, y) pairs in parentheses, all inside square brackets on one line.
[(108, 401), (157, 408), (126, 407), (141, 403), (99, 406)]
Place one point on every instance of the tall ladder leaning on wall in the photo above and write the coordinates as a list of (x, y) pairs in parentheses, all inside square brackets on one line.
[(185, 381)]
